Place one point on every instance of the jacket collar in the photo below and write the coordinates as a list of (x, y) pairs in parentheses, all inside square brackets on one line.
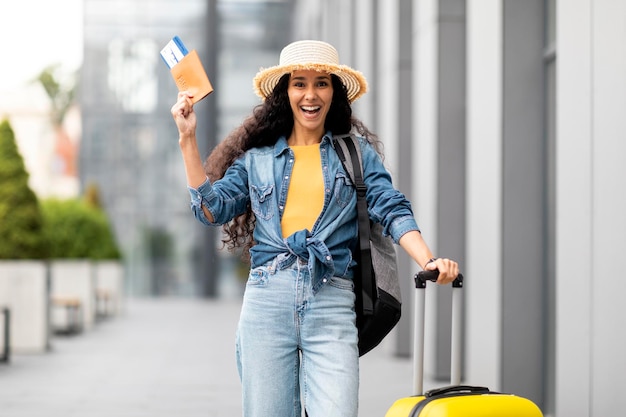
[(282, 145)]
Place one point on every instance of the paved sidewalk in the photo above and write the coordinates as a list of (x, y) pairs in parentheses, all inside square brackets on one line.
[(163, 357)]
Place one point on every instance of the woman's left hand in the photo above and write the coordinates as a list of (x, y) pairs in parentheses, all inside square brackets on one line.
[(448, 269)]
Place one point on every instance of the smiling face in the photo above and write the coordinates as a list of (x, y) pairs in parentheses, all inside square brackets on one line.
[(310, 96)]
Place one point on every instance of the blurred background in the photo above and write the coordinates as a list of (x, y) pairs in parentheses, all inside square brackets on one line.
[(502, 121)]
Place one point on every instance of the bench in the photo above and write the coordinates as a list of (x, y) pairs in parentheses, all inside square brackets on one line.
[(6, 347), (73, 314), (104, 303)]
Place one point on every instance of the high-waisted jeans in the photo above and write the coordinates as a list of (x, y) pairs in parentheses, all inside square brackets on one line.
[(294, 346)]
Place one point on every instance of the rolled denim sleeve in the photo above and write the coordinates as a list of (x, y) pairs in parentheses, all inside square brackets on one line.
[(386, 205), (402, 225), (224, 199), (197, 197)]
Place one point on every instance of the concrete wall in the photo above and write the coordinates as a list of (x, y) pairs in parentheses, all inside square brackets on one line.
[(484, 193), (505, 315), (591, 97), (24, 289)]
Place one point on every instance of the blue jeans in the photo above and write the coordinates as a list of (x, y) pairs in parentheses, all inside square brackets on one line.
[(293, 344)]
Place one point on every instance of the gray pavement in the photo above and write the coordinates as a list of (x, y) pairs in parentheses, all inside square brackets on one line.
[(162, 357)]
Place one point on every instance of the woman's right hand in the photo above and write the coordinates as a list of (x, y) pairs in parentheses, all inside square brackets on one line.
[(185, 119), (184, 116)]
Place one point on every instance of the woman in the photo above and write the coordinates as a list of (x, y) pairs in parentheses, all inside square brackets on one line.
[(279, 187)]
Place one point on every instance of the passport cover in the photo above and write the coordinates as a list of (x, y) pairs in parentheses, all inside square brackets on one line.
[(189, 74)]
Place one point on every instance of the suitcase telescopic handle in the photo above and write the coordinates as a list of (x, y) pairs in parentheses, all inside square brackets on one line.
[(423, 276), (418, 341)]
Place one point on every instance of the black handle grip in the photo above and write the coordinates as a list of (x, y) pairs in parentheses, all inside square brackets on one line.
[(423, 276), (457, 389)]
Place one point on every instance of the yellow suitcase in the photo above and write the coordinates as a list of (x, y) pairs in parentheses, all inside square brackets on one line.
[(466, 401), (455, 400)]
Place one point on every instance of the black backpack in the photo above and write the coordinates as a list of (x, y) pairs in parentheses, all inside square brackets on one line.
[(377, 288)]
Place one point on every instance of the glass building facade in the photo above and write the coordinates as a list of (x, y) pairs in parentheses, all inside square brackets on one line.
[(129, 147)]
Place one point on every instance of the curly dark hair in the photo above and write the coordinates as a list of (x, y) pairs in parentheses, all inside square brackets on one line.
[(267, 123)]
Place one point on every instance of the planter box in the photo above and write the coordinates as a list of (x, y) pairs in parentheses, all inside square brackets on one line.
[(109, 277), (73, 280), (24, 289)]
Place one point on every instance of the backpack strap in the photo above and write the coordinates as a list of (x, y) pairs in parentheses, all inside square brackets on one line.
[(354, 168)]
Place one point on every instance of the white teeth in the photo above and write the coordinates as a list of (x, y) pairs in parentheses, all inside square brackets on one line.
[(310, 108)]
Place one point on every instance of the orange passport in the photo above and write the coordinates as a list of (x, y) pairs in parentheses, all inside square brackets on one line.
[(189, 75)]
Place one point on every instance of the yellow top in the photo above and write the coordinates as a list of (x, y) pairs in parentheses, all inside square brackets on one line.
[(305, 197)]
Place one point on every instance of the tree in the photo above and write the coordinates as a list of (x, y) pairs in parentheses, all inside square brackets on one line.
[(61, 91), (21, 222), (92, 196)]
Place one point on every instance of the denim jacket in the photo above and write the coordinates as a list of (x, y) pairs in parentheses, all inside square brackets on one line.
[(261, 177)]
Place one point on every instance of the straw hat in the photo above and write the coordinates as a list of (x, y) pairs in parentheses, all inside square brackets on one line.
[(309, 55)]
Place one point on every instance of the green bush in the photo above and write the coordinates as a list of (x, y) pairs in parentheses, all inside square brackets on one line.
[(55, 228), (77, 229), (20, 216)]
